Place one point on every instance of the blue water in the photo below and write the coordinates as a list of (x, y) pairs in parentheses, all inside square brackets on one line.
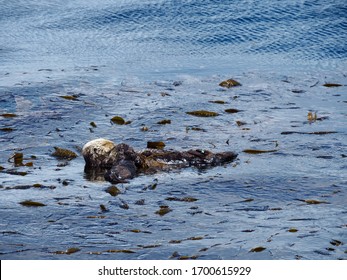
[(153, 60), (147, 37)]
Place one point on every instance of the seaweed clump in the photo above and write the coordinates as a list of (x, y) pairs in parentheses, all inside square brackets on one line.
[(118, 120), (155, 145), (229, 83), (203, 113), (257, 249), (163, 210), (232, 111), (30, 203), (61, 153), (164, 122), (332, 85), (8, 115)]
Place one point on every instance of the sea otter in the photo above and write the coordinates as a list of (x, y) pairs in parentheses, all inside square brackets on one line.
[(120, 162)]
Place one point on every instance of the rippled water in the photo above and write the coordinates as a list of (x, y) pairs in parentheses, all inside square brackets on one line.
[(152, 60)]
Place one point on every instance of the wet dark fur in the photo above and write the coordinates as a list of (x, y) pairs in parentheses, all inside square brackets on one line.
[(128, 163)]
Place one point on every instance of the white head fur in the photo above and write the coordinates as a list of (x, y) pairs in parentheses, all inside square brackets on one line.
[(99, 153)]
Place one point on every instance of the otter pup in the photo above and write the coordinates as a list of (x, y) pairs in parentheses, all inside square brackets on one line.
[(121, 162)]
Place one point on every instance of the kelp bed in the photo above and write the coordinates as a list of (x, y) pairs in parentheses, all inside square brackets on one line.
[(284, 197)]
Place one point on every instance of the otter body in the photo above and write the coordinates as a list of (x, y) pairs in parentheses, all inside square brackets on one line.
[(122, 162)]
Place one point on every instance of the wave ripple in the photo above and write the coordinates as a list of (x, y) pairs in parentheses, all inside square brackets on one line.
[(300, 29)]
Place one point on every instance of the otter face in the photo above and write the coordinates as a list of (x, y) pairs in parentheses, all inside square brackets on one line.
[(99, 153)]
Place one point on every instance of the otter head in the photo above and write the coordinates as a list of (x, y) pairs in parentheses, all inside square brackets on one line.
[(99, 153)]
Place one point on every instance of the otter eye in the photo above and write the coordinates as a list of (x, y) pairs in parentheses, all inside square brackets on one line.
[(95, 149)]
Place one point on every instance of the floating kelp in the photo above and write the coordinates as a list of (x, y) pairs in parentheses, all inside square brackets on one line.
[(322, 118), (229, 83), (140, 202), (68, 251), (184, 199), (103, 208), (18, 159), (153, 186), (96, 217), (335, 242), (30, 203), (93, 124), (144, 128), (325, 157), (164, 122), (40, 186), (203, 113), (61, 153), (155, 145), (72, 250), (149, 246), (163, 210), (254, 151), (232, 111), (95, 253), (124, 205), (176, 255), (311, 117), (218, 101), (7, 129), (194, 128), (120, 251), (276, 209), (66, 182), (248, 200), (240, 123), (332, 85), (15, 172), (25, 187), (163, 94), (177, 83), (292, 230), (113, 190), (73, 97), (257, 249), (196, 212), (203, 249), (313, 201), (311, 133), (8, 115), (118, 120), (195, 238), (175, 241), (194, 257), (298, 91)]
